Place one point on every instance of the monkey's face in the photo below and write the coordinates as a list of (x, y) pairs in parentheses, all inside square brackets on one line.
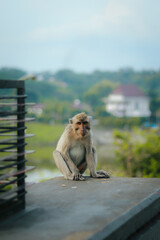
[(82, 128), (81, 124)]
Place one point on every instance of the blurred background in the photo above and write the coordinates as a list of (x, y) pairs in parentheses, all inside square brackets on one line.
[(101, 57)]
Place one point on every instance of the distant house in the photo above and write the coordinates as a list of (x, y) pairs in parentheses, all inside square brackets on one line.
[(36, 109), (78, 105), (129, 101)]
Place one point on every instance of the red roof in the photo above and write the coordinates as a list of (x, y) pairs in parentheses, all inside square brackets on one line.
[(128, 91)]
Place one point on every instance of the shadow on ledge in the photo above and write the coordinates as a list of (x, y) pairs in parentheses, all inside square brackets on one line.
[(115, 208)]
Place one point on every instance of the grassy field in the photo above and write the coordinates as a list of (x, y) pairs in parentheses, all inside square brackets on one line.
[(44, 142)]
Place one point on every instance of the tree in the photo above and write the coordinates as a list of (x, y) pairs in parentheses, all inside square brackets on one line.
[(95, 94), (154, 103), (138, 152)]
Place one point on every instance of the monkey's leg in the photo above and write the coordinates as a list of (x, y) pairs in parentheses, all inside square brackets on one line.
[(62, 166), (82, 167)]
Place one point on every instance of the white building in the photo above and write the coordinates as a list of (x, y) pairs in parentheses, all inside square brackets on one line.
[(36, 109), (129, 101)]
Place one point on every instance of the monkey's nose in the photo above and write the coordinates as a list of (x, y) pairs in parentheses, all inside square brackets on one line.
[(83, 133)]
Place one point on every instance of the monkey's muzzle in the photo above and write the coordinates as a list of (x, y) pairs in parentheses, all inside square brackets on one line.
[(83, 134)]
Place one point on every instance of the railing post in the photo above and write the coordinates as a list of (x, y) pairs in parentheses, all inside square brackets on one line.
[(12, 147), (21, 143)]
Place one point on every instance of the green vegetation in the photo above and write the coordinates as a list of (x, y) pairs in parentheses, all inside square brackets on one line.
[(94, 96), (44, 142), (11, 73), (138, 152), (63, 87), (40, 91), (121, 123), (58, 112)]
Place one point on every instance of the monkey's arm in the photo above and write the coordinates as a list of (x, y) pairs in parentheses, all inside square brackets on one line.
[(69, 162)]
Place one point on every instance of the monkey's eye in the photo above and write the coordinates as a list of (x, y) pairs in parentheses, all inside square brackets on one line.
[(79, 123), (85, 122)]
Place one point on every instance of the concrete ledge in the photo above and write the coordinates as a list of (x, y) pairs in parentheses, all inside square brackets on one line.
[(130, 223), (116, 208)]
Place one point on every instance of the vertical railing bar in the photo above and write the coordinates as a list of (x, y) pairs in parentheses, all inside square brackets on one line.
[(21, 149)]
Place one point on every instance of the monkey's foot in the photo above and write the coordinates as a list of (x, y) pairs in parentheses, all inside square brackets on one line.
[(103, 174), (78, 177)]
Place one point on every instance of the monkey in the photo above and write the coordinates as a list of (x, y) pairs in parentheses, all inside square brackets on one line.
[(75, 151)]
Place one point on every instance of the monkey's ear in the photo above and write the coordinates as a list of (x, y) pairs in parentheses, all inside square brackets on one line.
[(70, 120)]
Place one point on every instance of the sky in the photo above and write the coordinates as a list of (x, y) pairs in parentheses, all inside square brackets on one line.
[(85, 35)]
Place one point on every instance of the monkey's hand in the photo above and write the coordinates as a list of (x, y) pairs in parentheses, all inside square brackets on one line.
[(100, 174), (78, 177)]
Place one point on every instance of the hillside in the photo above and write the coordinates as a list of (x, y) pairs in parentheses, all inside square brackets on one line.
[(58, 90), (79, 83)]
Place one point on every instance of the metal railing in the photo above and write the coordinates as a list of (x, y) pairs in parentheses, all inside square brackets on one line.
[(12, 147)]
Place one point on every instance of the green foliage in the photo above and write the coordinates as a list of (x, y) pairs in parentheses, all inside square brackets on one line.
[(78, 83), (154, 103), (40, 91), (59, 112), (138, 152), (125, 123), (66, 85), (100, 112), (11, 73), (97, 92)]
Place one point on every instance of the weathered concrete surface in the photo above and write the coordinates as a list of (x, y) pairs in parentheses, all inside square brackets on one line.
[(61, 209)]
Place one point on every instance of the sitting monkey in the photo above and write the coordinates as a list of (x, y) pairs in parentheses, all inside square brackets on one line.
[(75, 151)]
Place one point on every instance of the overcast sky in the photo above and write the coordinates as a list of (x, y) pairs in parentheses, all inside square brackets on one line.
[(81, 35)]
